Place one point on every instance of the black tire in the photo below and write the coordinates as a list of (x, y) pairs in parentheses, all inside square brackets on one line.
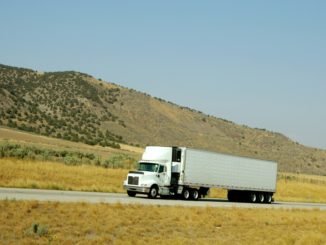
[(153, 192), (186, 194), (131, 193), (194, 194), (268, 198), (252, 197), (260, 197), (231, 196)]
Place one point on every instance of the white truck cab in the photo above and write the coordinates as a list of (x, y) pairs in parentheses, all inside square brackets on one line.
[(157, 170)]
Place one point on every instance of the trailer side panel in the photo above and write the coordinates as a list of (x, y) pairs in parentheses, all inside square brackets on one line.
[(202, 168)]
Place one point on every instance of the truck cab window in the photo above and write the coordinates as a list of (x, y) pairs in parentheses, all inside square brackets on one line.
[(150, 167), (161, 169)]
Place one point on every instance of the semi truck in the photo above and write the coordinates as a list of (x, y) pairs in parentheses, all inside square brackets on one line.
[(188, 173)]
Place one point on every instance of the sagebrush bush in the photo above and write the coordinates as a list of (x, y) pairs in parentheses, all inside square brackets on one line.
[(67, 157), (37, 229)]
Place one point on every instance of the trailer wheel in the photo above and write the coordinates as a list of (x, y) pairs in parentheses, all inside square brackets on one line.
[(231, 196), (194, 194), (131, 193), (186, 194), (261, 198), (268, 198), (153, 192), (252, 197)]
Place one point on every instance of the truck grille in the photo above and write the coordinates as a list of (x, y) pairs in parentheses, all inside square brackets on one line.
[(133, 180)]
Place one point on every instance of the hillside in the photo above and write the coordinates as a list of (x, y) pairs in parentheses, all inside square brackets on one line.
[(77, 107), (14, 136)]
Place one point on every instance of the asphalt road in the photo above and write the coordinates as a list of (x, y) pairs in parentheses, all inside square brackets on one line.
[(96, 197)]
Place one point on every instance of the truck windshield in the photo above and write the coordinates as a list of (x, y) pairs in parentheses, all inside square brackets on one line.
[(150, 167)]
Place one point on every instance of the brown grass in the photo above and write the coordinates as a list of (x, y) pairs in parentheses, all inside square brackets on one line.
[(53, 175), (300, 187), (80, 223)]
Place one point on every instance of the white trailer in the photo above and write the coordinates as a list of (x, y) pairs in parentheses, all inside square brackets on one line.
[(188, 173)]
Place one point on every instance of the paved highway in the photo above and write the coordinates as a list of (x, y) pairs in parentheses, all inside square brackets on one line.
[(97, 197)]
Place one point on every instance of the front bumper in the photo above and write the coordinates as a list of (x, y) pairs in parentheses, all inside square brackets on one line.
[(137, 189)]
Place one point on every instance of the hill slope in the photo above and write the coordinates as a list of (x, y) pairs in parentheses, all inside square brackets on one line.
[(78, 107)]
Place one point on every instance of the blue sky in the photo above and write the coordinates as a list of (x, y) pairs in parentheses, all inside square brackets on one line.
[(257, 63)]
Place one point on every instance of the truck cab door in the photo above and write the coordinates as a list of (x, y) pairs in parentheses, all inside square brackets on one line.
[(164, 177)]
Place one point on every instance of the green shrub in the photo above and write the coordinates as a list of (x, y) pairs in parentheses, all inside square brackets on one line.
[(65, 156), (37, 229)]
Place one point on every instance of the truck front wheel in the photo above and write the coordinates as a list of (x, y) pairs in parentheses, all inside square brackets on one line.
[(153, 192), (131, 193)]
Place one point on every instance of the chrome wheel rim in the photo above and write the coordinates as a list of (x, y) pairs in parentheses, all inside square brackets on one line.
[(195, 194), (153, 192), (269, 198), (253, 197), (261, 198), (186, 194)]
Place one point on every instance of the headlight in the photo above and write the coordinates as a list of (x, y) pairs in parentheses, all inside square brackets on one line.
[(143, 185)]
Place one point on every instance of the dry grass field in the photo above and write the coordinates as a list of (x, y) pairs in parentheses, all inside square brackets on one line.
[(31, 222), (54, 175), (301, 187), (58, 176)]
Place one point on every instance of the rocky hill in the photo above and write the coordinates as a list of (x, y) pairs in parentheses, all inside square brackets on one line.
[(78, 107)]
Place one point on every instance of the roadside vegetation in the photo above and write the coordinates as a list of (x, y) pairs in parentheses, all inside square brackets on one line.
[(68, 157), (301, 188), (32, 222), (60, 176)]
